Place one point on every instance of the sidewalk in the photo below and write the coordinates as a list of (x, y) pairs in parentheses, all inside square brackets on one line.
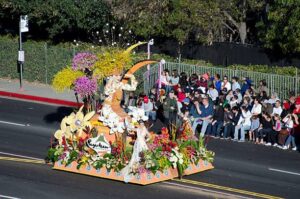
[(36, 92)]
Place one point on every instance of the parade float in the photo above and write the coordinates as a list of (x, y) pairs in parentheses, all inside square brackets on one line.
[(108, 142)]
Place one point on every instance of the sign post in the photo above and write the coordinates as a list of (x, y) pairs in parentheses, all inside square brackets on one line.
[(23, 27)]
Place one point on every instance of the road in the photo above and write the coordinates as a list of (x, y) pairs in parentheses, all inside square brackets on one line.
[(241, 169)]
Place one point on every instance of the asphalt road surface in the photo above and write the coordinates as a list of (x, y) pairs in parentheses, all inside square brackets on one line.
[(242, 170)]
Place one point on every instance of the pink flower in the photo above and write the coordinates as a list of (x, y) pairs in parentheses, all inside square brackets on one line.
[(82, 61), (85, 86)]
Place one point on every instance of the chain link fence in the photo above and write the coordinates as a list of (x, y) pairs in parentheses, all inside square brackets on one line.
[(42, 60), (281, 84)]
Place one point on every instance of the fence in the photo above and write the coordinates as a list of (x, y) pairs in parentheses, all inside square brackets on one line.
[(282, 85), (42, 61)]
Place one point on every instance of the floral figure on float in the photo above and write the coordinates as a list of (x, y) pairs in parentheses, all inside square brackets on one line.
[(113, 143)]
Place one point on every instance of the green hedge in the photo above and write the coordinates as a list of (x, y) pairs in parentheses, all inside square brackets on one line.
[(43, 60)]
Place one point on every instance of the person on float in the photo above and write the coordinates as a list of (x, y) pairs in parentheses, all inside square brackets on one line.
[(140, 145)]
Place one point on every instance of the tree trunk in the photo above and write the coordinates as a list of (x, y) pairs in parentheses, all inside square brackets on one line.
[(243, 32)]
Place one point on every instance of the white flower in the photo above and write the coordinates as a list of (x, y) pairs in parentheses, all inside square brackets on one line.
[(137, 114)]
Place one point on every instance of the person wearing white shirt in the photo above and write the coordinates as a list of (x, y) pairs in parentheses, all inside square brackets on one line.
[(226, 84), (213, 93), (174, 79), (238, 93), (244, 124), (235, 84), (277, 109), (273, 98), (147, 105), (163, 79), (256, 109)]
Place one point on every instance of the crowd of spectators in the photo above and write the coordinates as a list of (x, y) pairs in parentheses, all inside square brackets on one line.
[(222, 108)]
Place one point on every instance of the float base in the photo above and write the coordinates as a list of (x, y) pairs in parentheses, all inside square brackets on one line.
[(143, 179)]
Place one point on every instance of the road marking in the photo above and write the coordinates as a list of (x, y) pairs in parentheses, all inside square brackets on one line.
[(12, 123), (20, 156), (223, 188), (207, 190), (283, 171), (9, 197), (22, 160)]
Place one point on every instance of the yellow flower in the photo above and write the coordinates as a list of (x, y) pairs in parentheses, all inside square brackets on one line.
[(65, 78), (113, 61), (64, 131), (78, 122)]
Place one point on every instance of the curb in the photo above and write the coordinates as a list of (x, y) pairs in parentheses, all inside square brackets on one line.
[(40, 99)]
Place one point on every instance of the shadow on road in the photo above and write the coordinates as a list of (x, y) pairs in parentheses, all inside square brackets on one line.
[(57, 116)]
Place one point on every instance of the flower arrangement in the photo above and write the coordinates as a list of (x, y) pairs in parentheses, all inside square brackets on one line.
[(89, 69), (65, 79), (85, 86), (163, 153), (83, 61)]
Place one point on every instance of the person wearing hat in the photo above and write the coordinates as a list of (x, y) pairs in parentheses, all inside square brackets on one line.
[(148, 107), (186, 106)]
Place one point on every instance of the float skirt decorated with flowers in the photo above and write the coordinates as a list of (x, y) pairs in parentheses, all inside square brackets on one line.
[(142, 179)]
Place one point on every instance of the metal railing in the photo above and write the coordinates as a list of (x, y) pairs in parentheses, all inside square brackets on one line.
[(283, 85)]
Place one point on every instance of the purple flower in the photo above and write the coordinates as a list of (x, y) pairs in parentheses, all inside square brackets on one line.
[(82, 61), (85, 86)]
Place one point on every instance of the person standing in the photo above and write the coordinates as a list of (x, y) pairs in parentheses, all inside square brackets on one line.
[(170, 109)]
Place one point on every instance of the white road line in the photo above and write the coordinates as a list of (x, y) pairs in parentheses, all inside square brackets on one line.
[(21, 156), (207, 190), (12, 123), (9, 197), (283, 171)]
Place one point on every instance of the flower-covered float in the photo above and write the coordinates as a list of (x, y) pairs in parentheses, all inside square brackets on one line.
[(110, 143)]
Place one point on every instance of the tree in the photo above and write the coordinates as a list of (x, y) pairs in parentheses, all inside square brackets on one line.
[(176, 19), (281, 30), (57, 20), (236, 14)]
